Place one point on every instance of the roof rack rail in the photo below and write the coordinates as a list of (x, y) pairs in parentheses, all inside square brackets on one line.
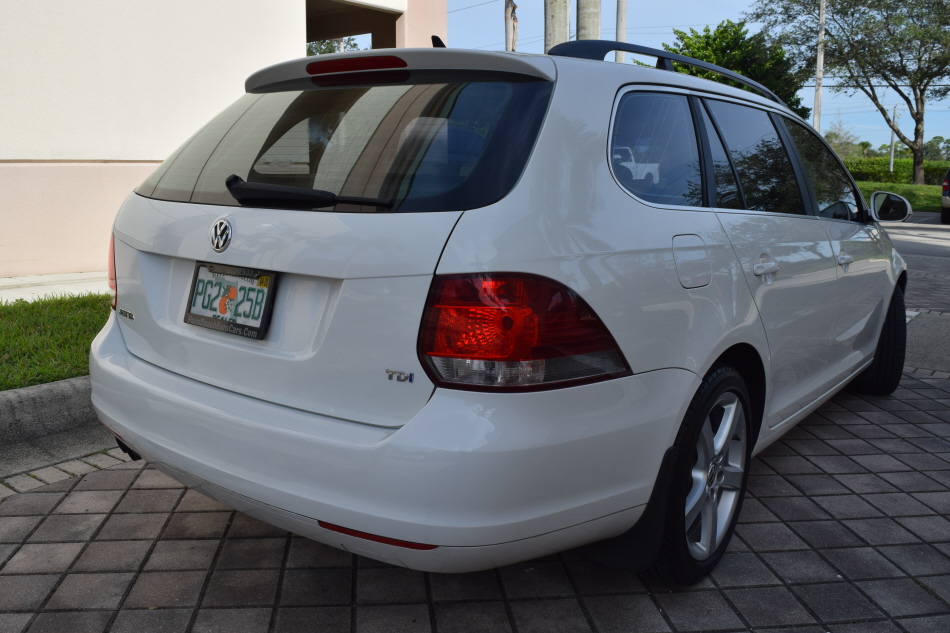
[(598, 49)]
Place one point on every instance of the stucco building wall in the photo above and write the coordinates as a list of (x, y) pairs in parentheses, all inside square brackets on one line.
[(97, 93)]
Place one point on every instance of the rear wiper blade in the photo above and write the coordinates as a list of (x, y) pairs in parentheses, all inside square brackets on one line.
[(258, 193)]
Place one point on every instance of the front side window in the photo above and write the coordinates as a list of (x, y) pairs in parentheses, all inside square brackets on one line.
[(765, 171), (833, 189), (653, 150)]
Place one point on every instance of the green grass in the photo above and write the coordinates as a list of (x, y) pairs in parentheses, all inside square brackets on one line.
[(48, 339), (921, 197)]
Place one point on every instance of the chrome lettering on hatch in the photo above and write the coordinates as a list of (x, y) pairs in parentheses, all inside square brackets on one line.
[(400, 376), (128, 315)]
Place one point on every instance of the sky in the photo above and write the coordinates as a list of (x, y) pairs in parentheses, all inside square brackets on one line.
[(479, 24)]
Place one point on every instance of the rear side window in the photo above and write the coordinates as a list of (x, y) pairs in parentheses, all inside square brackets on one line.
[(727, 191), (653, 151), (426, 141), (833, 189), (765, 172)]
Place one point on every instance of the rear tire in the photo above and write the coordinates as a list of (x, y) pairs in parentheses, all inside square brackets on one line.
[(945, 216), (712, 454), (883, 375)]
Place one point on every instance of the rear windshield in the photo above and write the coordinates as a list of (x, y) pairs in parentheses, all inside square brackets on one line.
[(428, 141)]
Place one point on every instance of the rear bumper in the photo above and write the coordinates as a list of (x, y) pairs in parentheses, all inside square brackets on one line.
[(945, 201), (489, 478)]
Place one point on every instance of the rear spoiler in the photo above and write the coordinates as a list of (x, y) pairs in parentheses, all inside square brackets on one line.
[(269, 78)]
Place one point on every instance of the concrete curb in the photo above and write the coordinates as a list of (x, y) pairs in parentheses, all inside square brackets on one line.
[(41, 410)]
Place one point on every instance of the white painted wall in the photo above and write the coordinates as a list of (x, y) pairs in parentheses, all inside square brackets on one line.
[(130, 79)]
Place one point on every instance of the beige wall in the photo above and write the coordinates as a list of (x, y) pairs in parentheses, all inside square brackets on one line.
[(112, 80), (87, 85), (56, 217), (422, 20), (392, 23), (130, 80)]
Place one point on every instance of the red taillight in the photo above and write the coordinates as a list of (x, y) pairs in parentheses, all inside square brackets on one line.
[(111, 267), (354, 64), (945, 183), (375, 537), (514, 331)]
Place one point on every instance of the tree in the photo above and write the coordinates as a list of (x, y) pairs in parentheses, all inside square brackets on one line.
[(325, 47), (865, 148), (752, 56), (872, 46), (900, 151), (933, 149), (843, 140)]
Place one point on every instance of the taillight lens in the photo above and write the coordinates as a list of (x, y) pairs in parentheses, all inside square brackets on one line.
[(945, 183), (111, 265), (513, 331)]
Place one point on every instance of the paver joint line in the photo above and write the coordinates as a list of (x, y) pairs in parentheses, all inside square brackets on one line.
[(845, 522)]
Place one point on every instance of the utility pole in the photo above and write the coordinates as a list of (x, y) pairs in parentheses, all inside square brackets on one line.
[(819, 67), (619, 56), (514, 28), (510, 7), (556, 23), (588, 19), (894, 119)]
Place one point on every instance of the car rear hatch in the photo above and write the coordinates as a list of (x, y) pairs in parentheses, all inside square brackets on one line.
[(354, 170)]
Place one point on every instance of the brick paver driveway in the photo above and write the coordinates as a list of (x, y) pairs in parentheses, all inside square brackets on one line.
[(844, 530)]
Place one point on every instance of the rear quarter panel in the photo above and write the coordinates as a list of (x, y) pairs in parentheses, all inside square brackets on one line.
[(569, 220)]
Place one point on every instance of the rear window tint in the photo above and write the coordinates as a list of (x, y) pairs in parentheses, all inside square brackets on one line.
[(653, 151), (175, 178), (429, 143)]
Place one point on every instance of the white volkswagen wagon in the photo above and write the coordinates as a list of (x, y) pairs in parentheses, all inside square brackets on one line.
[(452, 310)]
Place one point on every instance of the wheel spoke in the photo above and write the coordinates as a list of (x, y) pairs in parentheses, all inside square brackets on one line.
[(732, 413), (694, 504), (732, 478), (705, 445), (710, 527)]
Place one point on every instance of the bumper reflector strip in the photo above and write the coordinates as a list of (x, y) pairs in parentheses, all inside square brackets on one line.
[(374, 537)]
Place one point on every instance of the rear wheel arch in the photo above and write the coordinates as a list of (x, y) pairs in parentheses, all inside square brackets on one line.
[(747, 361)]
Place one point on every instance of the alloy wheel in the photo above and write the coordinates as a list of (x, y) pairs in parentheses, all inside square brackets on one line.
[(716, 477)]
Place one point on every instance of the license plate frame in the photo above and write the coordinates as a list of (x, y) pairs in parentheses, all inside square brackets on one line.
[(232, 327)]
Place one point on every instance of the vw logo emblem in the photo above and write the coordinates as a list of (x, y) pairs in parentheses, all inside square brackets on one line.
[(220, 235)]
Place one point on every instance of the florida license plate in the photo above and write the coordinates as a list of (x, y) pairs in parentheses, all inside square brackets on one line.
[(231, 299)]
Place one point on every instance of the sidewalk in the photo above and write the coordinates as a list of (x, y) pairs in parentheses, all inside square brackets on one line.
[(38, 286)]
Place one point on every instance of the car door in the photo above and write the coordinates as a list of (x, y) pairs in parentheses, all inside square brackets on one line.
[(784, 252), (863, 285)]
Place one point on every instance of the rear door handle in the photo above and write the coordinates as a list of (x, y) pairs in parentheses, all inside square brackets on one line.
[(766, 268)]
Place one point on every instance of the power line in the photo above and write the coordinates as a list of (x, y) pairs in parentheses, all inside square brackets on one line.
[(472, 6)]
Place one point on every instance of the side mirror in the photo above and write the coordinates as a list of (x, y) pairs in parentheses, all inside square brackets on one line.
[(889, 207)]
